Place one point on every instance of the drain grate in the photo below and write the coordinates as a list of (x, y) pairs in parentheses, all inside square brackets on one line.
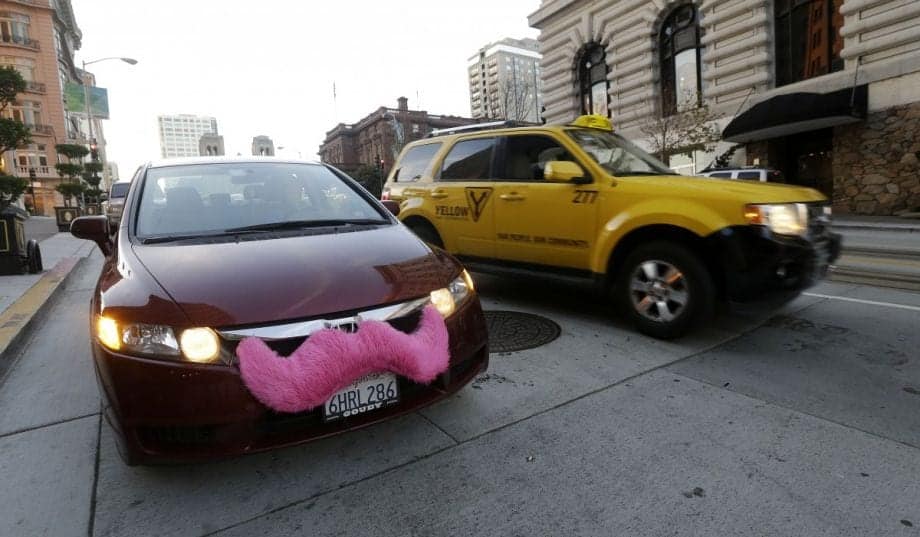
[(511, 331)]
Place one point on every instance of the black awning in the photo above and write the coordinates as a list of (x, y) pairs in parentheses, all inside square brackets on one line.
[(792, 113)]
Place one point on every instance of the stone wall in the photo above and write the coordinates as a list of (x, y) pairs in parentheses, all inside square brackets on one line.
[(877, 163)]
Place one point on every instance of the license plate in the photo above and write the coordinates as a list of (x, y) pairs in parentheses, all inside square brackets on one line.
[(367, 394)]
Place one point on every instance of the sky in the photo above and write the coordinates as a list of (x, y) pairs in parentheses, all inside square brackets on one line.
[(268, 67)]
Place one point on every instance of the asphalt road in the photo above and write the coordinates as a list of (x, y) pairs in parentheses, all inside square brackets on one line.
[(798, 422)]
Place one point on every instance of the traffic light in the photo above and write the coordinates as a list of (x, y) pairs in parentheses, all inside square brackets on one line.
[(94, 152)]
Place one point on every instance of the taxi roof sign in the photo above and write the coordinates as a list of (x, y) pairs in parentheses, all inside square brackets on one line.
[(593, 121)]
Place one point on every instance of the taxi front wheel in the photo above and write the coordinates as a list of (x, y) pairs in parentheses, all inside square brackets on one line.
[(665, 289), (427, 233)]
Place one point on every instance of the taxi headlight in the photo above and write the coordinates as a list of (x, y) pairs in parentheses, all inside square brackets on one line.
[(448, 298), (200, 345), (783, 218)]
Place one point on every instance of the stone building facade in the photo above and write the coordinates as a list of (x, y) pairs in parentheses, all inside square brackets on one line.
[(828, 91), (38, 38), (377, 139)]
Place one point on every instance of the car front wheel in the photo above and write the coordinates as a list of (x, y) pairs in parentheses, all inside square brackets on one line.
[(665, 289)]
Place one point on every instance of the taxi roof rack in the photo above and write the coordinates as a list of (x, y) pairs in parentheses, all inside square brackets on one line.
[(507, 124)]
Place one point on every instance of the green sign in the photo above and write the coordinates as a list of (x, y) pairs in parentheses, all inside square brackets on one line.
[(98, 98)]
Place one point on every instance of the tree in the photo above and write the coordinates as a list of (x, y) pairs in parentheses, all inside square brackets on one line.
[(370, 177), (91, 171), (516, 99), (13, 134), (72, 170), (690, 129)]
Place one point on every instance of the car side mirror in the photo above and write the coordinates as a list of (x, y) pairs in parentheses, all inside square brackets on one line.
[(564, 171), (392, 206), (93, 228)]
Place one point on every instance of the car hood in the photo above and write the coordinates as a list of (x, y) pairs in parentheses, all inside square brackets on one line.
[(738, 190), (226, 284)]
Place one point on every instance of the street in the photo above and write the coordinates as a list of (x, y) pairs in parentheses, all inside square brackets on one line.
[(798, 423)]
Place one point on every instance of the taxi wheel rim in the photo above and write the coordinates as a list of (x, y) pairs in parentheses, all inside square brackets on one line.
[(658, 290)]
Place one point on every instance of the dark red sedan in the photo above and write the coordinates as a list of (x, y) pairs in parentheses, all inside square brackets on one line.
[(250, 304)]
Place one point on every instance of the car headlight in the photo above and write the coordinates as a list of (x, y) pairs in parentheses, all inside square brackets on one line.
[(200, 345), (448, 298), (783, 218)]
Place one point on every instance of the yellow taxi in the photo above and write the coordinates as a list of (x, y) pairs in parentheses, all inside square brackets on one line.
[(581, 201)]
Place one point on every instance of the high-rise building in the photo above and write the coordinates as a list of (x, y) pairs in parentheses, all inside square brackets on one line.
[(38, 39), (211, 145), (262, 146), (505, 81), (180, 134)]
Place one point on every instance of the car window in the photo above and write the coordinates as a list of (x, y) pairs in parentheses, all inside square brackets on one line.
[(469, 160), (749, 175), (616, 154), (526, 155), (721, 175), (205, 198), (119, 190), (415, 163)]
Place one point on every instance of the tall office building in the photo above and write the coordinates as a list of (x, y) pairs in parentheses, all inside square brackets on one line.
[(505, 81), (180, 134)]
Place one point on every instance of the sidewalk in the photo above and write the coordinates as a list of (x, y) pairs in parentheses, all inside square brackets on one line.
[(23, 297), (876, 223)]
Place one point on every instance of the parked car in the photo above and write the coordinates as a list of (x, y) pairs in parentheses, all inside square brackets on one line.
[(221, 267), (115, 202), (749, 174), (579, 201)]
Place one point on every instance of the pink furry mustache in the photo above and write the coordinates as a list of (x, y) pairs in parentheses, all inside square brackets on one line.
[(331, 359)]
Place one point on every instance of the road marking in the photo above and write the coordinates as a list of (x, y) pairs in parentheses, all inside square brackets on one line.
[(869, 302)]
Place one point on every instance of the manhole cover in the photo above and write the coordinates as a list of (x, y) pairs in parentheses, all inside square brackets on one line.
[(516, 331)]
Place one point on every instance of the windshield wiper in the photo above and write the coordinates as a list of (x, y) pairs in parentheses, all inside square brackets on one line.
[(172, 238), (299, 224)]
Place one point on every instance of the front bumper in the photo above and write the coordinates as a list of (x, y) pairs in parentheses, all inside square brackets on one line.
[(756, 263), (166, 412)]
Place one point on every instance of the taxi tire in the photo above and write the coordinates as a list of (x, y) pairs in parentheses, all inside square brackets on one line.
[(701, 289), (427, 233)]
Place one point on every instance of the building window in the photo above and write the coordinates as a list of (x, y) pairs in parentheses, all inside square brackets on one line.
[(679, 46), (808, 40), (27, 112), (592, 80), (14, 28), (25, 66)]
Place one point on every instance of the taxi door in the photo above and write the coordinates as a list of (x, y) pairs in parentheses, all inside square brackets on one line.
[(461, 200), (538, 221)]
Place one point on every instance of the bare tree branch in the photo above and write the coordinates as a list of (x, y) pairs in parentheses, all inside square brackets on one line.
[(692, 128)]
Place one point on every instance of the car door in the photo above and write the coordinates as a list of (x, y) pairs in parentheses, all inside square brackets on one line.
[(538, 221), (462, 198)]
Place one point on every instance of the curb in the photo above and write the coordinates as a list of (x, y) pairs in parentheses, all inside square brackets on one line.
[(21, 316), (869, 226)]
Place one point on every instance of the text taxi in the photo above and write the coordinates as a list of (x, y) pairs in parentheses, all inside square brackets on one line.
[(580, 200)]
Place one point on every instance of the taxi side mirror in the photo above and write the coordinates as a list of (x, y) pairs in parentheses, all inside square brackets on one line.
[(93, 228), (564, 171), (392, 206)]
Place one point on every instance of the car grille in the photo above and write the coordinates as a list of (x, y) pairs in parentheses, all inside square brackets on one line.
[(406, 321)]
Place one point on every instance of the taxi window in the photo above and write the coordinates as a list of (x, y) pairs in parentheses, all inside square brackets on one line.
[(526, 155), (469, 160), (415, 163)]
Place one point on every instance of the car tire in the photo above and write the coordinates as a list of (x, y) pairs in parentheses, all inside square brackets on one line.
[(665, 289), (427, 233), (34, 255)]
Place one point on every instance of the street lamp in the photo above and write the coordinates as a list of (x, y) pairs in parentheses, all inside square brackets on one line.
[(89, 112)]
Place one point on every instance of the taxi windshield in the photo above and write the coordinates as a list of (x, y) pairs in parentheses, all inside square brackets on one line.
[(616, 154)]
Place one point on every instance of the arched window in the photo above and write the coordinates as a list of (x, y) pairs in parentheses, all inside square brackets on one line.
[(808, 40), (679, 43), (592, 81)]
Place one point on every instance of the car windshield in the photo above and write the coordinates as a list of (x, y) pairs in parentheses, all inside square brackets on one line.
[(616, 154), (211, 199), (120, 190)]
